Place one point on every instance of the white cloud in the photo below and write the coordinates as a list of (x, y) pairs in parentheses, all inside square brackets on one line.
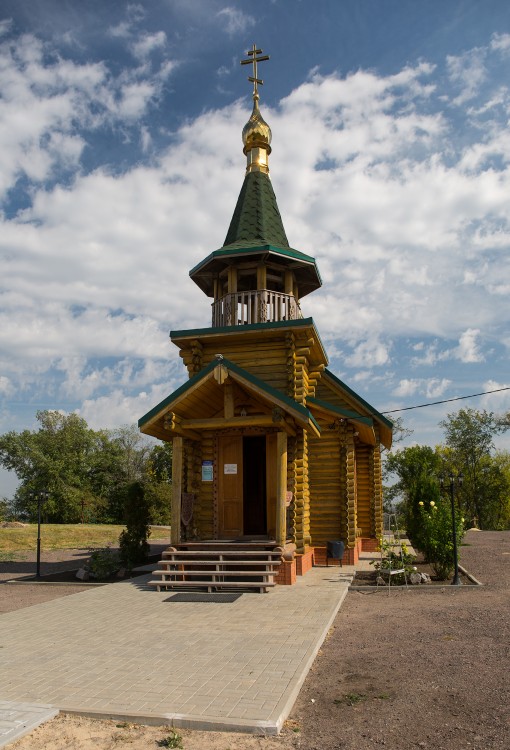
[(500, 42), (5, 26), (369, 353), (468, 72), (6, 386), (46, 107), (121, 30), (117, 408), (147, 43), (234, 20), (500, 401), (407, 387), (468, 349), (435, 387), (429, 387), (429, 354)]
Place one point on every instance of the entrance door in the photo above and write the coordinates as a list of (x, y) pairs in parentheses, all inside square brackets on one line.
[(254, 485), (246, 486), (230, 486)]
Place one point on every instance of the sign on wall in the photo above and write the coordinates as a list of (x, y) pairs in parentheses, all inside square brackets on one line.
[(207, 471), (230, 468)]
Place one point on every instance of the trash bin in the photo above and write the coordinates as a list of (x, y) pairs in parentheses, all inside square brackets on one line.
[(335, 550)]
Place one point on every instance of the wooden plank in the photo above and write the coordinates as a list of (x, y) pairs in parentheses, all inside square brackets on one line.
[(216, 584)]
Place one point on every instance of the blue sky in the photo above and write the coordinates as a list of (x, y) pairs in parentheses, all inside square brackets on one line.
[(121, 162)]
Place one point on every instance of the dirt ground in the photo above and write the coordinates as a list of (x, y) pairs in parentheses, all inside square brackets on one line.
[(423, 668)]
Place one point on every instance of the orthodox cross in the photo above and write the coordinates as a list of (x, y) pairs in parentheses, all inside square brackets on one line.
[(255, 57)]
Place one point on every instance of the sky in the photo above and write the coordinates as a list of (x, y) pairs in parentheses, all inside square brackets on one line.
[(121, 162)]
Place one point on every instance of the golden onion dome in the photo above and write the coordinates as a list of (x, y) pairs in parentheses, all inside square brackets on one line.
[(256, 132)]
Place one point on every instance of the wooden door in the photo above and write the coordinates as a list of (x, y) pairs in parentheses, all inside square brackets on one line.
[(230, 486)]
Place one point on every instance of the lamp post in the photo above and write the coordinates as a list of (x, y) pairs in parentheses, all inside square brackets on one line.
[(42, 496), (460, 479)]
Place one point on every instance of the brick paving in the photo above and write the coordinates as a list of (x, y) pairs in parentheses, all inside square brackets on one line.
[(122, 651)]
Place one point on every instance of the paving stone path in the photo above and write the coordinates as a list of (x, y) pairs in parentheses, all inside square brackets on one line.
[(123, 651)]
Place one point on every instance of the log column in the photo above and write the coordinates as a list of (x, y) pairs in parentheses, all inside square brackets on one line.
[(177, 465), (281, 488), (376, 476), (351, 489)]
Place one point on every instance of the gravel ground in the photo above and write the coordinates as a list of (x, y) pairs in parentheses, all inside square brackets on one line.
[(423, 668)]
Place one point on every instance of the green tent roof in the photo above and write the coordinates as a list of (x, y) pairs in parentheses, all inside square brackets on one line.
[(256, 218), (256, 233)]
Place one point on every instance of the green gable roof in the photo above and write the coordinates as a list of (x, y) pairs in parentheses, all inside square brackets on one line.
[(256, 218), (378, 416), (345, 413)]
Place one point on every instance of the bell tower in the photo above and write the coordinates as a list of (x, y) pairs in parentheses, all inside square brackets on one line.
[(256, 277)]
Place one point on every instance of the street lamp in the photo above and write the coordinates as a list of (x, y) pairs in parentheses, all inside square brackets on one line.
[(460, 479), (41, 496)]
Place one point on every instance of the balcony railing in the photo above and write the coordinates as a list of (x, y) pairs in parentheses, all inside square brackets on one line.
[(260, 306)]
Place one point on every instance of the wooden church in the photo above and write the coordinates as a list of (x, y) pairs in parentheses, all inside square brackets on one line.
[(273, 455)]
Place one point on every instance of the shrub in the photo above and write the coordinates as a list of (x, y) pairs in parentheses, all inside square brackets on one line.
[(103, 562), (436, 536)]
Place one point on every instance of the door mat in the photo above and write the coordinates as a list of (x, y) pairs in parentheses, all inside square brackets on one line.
[(198, 597)]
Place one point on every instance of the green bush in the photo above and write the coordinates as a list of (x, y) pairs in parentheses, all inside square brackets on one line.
[(103, 563), (435, 540)]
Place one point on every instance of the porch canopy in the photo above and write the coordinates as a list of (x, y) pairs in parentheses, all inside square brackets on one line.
[(221, 396)]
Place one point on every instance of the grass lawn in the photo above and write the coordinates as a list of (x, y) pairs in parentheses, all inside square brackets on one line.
[(65, 536)]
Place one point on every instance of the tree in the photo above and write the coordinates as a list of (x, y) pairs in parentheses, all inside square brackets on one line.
[(418, 469), (470, 436), (400, 431), (158, 483), (159, 463), (133, 544), (134, 450), (4, 509), (495, 491), (56, 457), (85, 471)]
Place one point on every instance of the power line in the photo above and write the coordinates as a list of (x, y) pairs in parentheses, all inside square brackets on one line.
[(446, 401)]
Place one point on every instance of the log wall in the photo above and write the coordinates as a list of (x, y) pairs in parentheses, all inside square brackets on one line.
[(265, 360), (327, 488)]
